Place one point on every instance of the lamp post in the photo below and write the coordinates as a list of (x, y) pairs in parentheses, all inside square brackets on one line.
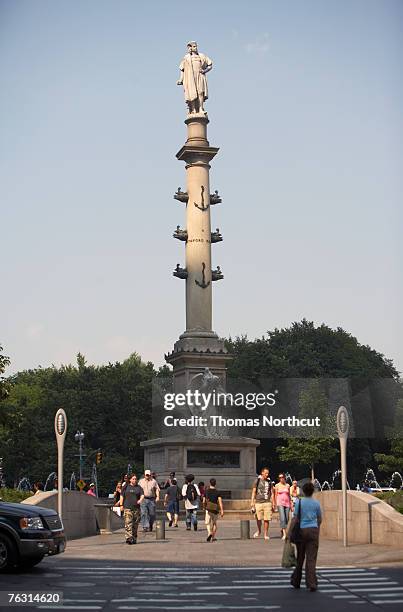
[(343, 424), (60, 431), (79, 437)]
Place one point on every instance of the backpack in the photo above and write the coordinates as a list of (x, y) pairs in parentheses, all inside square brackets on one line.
[(191, 493)]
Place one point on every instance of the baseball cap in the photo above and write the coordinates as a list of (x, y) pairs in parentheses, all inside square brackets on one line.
[(147, 472)]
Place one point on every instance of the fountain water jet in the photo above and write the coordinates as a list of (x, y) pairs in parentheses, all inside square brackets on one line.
[(24, 484), (317, 484), (50, 481), (393, 484), (371, 479), (337, 474)]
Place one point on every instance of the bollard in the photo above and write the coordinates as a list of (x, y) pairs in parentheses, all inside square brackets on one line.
[(160, 530), (245, 530)]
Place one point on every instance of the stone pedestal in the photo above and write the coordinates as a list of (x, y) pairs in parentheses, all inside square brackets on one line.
[(232, 461), (192, 354)]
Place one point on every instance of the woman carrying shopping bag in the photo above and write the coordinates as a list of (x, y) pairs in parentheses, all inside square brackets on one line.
[(304, 532)]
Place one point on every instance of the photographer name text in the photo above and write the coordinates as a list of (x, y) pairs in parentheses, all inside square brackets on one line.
[(217, 420)]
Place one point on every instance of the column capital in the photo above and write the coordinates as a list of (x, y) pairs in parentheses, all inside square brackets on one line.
[(196, 155)]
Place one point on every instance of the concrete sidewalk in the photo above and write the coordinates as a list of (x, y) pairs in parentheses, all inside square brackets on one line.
[(191, 548)]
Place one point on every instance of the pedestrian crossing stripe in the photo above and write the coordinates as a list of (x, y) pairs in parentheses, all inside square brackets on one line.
[(212, 586)]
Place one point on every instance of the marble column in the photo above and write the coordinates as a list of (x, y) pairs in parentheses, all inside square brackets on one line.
[(199, 346), (197, 154)]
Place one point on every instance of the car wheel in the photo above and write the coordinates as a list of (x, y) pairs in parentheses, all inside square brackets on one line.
[(31, 562), (8, 553)]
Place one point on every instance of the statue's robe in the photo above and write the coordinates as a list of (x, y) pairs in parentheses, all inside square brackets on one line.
[(194, 83)]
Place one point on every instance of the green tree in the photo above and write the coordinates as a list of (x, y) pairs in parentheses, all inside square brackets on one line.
[(4, 362), (313, 402), (309, 451), (393, 462), (110, 403), (313, 447), (304, 350)]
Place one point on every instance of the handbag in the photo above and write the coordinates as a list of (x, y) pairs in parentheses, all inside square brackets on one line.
[(288, 559), (295, 529)]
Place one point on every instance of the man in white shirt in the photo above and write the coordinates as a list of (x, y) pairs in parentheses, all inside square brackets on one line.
[(151, 496), (191, 495)]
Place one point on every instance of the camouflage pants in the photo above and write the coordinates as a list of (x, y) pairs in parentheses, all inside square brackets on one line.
[(132, 519)]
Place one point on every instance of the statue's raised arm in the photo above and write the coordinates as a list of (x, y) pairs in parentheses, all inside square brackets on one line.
[(193, 69)]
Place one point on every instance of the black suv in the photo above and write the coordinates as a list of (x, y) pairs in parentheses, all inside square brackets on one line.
[(27, 534)]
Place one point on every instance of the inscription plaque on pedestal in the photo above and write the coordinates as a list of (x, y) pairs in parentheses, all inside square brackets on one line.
[(223, 459)]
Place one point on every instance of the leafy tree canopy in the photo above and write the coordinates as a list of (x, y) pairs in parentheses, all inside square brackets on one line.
[(306, 351), (4, 362), (110, 403), (312, 448), (393, 462)]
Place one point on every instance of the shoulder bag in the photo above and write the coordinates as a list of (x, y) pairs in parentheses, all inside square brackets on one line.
[(295, 527)]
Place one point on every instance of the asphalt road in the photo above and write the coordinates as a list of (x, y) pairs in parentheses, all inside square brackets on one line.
[(121, 585)]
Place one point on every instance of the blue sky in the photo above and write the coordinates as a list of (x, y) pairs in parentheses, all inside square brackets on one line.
[(305, 105)]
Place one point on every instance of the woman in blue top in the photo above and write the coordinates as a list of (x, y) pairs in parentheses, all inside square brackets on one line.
[(311, 518)]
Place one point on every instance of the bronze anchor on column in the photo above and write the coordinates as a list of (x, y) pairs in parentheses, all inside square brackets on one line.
[(203, 284), (202, 207)]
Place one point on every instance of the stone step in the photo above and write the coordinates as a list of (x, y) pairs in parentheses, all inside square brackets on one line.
[(229, 504), (230, 494), (241, 494), (229, 515)]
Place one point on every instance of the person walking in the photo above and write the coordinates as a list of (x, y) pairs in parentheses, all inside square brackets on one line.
[(130, 500), (169, 480), (308, 513), (263, 502), (124, 480), (151, 496), (38, 488), (116, 499), (191, 495), (283, 502), (202, 490), (117, 493), (91, 490), (213, 506), (171, 502), (294, 494)]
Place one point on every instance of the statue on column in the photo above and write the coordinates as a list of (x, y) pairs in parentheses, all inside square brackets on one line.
[(194, 68)]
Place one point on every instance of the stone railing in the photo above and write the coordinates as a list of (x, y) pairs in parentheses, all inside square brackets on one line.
[(79, 517), (369, 520)]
